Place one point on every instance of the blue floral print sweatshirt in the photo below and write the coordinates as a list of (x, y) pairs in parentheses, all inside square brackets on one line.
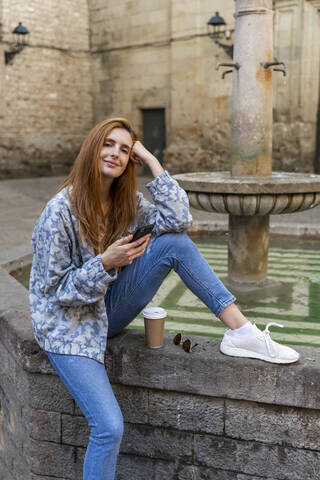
[(68, 282)]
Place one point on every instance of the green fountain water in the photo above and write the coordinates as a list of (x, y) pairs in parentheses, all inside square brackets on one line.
[(295, 264)]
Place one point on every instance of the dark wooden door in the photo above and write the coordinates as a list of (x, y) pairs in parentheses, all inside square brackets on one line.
[(154, 132), (317, 156)]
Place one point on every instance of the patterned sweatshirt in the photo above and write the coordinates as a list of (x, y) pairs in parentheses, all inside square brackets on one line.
[(68, 282)]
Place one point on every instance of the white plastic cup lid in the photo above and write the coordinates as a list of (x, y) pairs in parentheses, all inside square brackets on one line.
[(154, 313)]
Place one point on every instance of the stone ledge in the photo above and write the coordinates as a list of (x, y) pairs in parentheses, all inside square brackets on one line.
[(205, 371), (15, 258), (223, 182)]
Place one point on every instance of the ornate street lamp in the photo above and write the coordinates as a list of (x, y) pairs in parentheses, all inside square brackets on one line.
[(218, 30), (20, 34)]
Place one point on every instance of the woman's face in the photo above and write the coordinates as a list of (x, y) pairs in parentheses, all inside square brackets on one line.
[(115, 153)]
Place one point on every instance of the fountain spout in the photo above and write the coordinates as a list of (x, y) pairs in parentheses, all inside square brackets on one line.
[(275, 63), (272, 64), (229, 64)]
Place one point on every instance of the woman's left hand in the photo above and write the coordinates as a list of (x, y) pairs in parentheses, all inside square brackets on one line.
[(140, 155)]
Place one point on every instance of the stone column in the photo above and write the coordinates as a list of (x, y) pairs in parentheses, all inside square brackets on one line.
[(251, 125), (248, 249), (251, 135)]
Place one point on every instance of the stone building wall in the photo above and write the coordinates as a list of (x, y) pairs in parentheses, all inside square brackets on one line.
[(147, 57), (162, 58), (131, 57), (296, 97), (46, 106), (90, 59)]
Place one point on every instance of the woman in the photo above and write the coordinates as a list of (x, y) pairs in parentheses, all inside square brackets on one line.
[(88, 281)]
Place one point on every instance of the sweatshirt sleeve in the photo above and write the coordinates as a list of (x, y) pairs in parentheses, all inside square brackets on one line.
[(170, 211), (55, 274)]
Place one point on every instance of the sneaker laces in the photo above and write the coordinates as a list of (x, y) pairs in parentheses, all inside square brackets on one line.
[(271, 345)]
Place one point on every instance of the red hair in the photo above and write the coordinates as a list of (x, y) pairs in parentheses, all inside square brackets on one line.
[(85, 196)]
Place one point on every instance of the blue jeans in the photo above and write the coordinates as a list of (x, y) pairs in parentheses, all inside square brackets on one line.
[(86, 379), (140, 281)]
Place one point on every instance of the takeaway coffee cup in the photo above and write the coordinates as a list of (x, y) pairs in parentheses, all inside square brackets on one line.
[(154, 318)]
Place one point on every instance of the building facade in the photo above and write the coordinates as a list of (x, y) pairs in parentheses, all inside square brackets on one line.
[(45, 92), (154, 63)]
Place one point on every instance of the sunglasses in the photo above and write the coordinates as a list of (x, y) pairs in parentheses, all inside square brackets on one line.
[(186, 344)]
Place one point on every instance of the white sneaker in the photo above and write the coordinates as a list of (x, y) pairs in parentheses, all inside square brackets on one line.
[(257, 344)]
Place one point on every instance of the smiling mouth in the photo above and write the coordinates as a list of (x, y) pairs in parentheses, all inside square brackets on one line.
[(110, 163)]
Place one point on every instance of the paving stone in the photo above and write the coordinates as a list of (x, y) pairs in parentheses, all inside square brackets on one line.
[(200, 473), (47, 392), (75, 430), (164, 470), (79, 461), (51, 459), (155, 442), (273, 424), (134, 403), (5, 472), (44, 425), (134, 468), (193, 413), (40, 477), (253, 458)]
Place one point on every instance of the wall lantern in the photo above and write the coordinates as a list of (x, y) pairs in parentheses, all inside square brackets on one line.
[(20, 34), (217, 31)]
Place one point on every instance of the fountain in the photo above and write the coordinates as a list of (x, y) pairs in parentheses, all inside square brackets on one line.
[(251, 192)]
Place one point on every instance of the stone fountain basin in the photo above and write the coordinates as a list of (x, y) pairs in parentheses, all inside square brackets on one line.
[(282, 192)]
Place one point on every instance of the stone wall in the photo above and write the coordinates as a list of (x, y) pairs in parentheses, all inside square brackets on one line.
[(192, 416), (162, 58), (297, 41), (131, 57), (91, 59), (151, 58), (46, 106)]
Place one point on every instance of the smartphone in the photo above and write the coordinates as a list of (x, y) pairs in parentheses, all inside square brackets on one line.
[(142, 231)]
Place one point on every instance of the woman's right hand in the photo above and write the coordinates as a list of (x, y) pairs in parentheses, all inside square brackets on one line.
[(121, 252)]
